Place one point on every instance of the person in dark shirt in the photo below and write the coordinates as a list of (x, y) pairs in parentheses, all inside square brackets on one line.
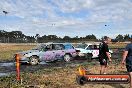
[(104, 55), (127, 59)]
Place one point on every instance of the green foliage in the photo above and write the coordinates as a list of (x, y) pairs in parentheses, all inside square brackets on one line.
[(19, 37)]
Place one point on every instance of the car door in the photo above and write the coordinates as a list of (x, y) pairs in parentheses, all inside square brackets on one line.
[(94, 50), (70, 49), (49, 54), (59, 51)]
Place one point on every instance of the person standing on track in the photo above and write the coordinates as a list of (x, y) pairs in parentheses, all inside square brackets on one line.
[(127, 59), (104, 55)]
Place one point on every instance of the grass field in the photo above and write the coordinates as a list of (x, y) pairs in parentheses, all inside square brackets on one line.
[(8, 50), (59, 78), (117, 45), (64, 77)]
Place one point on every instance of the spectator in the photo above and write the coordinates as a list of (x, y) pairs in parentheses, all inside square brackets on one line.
[(127, 59), (104, 55)]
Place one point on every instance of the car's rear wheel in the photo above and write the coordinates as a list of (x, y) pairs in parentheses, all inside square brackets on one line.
[(34, 60), (67, 57)]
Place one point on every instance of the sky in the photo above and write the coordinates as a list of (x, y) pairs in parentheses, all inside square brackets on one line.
[(67, 17)]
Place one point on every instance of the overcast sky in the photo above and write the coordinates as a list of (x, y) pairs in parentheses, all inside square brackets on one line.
[(67, 17)]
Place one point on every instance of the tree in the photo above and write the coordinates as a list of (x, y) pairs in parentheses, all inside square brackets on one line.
[(90, 37), (120, 38), (93, 37), (36, 37), (126, 37), (66, 37)]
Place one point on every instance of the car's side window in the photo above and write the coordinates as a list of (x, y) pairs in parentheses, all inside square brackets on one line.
[(88, 48), (68, 46), (72, 47), (91, 47), (95, 46), (43, 48), (53, 47), (49, 47), (62, 47), (59, 47)]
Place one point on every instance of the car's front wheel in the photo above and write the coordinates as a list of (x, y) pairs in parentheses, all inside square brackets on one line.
[(88, 56), (34, 60), (67, 57)]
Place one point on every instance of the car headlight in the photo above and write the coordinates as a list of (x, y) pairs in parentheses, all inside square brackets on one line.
[(25, 55)]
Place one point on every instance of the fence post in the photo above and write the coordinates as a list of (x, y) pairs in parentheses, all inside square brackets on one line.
[(18, 67)]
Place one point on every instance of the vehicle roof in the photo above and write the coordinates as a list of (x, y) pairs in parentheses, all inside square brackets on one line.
[(59, 43)]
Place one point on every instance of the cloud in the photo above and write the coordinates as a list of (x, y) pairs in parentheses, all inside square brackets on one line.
[(68, 6), (61, 16)]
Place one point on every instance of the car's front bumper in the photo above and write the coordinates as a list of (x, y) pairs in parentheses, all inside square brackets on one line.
[(85, 54), (81, 54), (22, 59)]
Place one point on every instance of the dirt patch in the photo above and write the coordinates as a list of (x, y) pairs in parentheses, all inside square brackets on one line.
[(59, 75)]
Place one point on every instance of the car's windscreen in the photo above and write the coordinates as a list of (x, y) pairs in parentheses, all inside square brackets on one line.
[(93, 47), (58, 46), (39, 47), (81, 46)]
